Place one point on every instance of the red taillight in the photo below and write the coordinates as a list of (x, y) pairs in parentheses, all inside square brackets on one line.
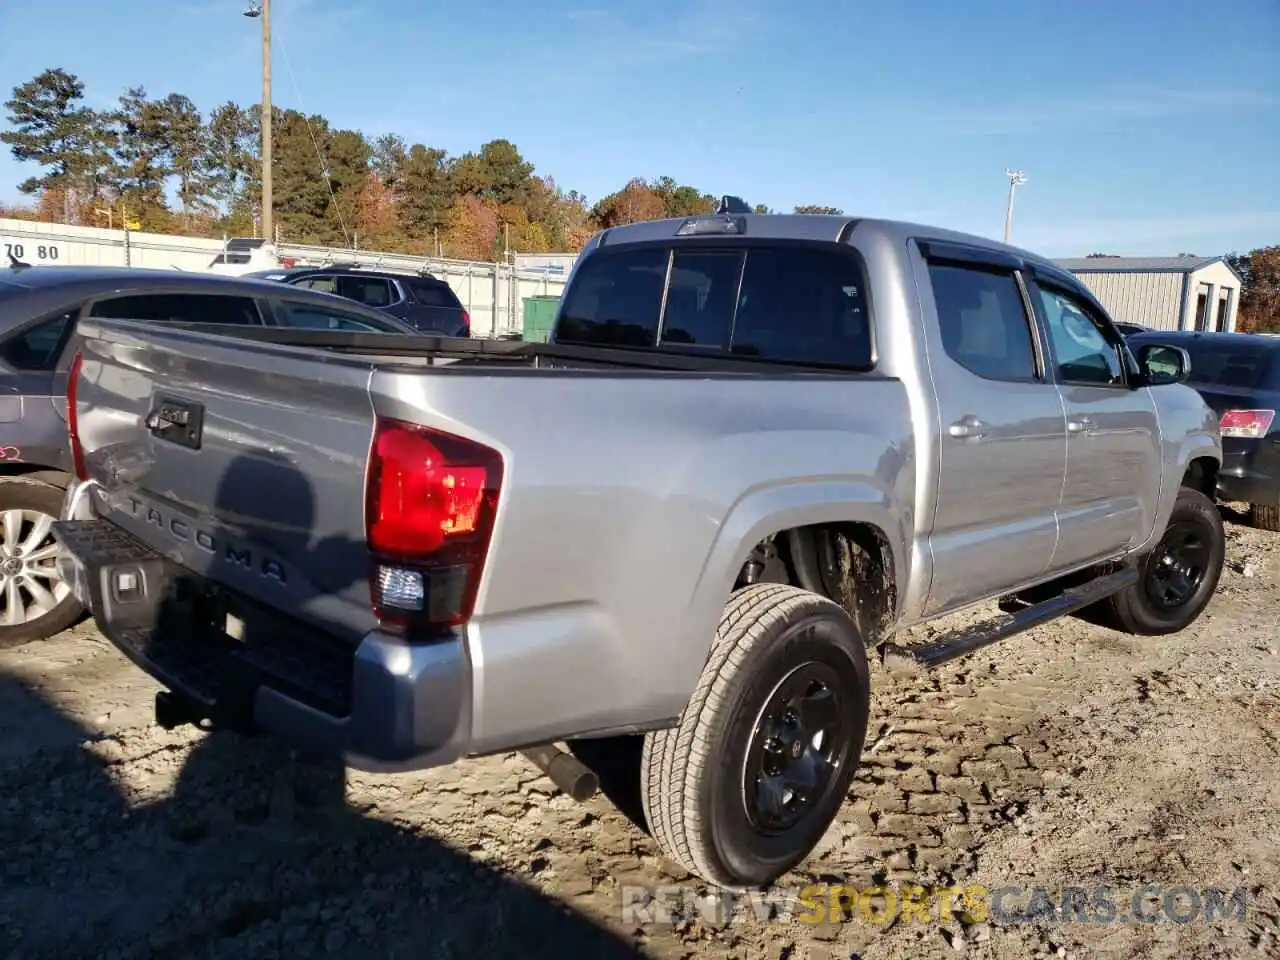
[(430, 503), (466, 324), (1246, 423), (73, 419)]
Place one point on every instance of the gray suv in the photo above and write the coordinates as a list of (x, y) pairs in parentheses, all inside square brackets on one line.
[(39, 307)]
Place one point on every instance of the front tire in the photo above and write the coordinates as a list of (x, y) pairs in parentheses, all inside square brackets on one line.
[(1179, 576), (760, 763), (35, 602)]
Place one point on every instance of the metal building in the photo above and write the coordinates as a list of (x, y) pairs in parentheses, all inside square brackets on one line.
[(1164, 293)]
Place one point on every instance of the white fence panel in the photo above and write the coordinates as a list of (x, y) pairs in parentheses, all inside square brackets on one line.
[(493, 293)]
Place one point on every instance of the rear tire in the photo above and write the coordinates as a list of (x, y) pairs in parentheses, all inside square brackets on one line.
[(1178, 576), (760, 763), (1265, 516), (35, 602)]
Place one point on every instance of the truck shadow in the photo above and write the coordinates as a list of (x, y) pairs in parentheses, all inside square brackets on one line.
[(133, 845), (185, 843)]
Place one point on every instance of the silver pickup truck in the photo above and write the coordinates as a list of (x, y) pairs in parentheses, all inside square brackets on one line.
[(756, 449)]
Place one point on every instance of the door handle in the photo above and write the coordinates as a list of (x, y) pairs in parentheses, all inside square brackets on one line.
[(967, 428), (1079, 425)]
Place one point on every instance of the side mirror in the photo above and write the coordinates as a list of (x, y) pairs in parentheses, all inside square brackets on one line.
[(1161, 364)]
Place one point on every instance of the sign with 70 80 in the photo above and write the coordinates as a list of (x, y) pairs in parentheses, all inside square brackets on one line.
[(28, 251)]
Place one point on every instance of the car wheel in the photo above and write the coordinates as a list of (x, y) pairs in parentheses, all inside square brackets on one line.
[(1179, 576), (35, 602), (760, 763)]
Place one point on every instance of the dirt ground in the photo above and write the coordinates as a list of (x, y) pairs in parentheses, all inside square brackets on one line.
[(1070, 756)]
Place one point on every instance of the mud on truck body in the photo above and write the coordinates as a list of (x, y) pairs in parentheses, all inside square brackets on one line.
[(756, 449)]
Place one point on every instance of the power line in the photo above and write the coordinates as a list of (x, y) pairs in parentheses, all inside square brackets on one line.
[(315, 142)]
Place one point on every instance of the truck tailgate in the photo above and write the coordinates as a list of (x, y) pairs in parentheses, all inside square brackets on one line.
[(244, 466)]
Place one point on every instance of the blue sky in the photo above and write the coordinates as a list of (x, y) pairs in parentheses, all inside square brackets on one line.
[(1145, 127)]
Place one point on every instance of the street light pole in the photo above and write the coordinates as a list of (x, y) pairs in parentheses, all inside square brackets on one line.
[(263, 10), (1016, 179)]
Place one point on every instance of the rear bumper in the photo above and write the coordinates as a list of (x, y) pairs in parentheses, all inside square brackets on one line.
[(382, 705), (1250, 471)]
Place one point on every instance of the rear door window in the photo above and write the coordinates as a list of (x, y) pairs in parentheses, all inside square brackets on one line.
[(798, 304), (371, 291), (37, 347), (434, 294), (308, 316), (180, 308), (323, 284)]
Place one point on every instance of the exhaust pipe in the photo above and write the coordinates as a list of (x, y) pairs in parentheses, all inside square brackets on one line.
[(564, 770), (173, 711)]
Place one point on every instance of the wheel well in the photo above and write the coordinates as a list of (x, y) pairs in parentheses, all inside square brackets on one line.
[(32, 471), (1202, 475), (850, 563)]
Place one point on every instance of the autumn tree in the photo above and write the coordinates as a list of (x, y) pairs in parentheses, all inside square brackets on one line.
[(1259, 271), (376, 221), (471, 228), (635, 202)]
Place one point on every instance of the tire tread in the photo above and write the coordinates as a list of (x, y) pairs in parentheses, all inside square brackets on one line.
[(1126, 609), (673, 760), (1265, 516)]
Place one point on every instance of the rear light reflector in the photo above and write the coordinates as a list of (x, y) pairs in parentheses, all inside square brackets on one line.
[(1246, 423), (430, 503), (73, 419), (466, 324)]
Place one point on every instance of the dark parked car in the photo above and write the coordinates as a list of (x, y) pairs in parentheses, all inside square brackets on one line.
[(1238, 374), (426, 303), (39, 307)]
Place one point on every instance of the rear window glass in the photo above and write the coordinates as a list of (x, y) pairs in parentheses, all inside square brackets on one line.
[(790, 304), (434, 295), (181, 308), (1228, 365)]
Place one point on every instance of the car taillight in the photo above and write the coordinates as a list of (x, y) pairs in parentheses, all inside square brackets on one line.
[(1246, 423), (430, 503), (466, 324), (73, 419)]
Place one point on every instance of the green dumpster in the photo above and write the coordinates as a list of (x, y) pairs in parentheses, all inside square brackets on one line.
[(540, 317)]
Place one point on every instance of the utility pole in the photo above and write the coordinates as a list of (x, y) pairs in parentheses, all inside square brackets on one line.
[(1016, 179), (263, 10)]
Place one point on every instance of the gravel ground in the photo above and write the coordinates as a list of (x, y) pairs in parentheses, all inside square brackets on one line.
[(1068, 756)]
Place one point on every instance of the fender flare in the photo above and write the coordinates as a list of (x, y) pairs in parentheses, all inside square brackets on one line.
[(763, 511), (1195, 446)]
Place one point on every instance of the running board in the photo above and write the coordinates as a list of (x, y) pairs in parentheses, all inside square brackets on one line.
[(964, 642)]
